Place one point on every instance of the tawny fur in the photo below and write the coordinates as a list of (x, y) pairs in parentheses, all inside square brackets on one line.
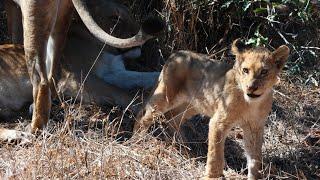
[(78, 56), (16, 88), (232, 96), (45, 26)]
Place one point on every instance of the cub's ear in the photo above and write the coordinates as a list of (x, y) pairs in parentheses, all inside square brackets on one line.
[(238, 47), (280, 56)]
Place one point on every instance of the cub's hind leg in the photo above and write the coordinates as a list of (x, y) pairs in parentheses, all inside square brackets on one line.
[(168, 94), (179, 115), (175, 119), (154, 110)]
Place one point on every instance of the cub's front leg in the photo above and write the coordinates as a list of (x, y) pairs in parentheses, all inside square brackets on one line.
[(219, 126), (253, 139)]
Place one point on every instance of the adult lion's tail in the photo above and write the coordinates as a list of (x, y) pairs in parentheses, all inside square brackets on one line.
[(149, 28)]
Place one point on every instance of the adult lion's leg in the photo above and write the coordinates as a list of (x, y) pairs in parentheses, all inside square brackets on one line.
[(58, 37), (38, 19)]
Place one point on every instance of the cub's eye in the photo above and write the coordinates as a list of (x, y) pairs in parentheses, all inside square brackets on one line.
[(245, 70), (264, 71)]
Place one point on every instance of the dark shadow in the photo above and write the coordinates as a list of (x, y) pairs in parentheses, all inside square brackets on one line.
[(195, 132)]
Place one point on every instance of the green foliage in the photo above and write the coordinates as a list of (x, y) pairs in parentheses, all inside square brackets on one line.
[(258, 39), (209, 26)]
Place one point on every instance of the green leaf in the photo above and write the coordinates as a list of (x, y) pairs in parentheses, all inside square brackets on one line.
[(246, 6), (260, 10), (252, 41), (226, 4)]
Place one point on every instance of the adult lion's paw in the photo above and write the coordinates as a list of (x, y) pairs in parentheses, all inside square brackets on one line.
[(10, 136)]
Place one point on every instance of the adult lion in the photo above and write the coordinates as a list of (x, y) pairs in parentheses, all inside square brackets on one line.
[(45, 26), (77, 58)]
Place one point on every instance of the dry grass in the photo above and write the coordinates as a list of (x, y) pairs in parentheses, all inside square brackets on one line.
[(82, 141), (85, 145), (79, 149), (76, 154)]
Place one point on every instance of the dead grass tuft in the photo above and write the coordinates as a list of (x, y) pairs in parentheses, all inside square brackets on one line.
[(86, 142)]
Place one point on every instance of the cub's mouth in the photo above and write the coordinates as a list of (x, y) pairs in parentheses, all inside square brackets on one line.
[(253, 95)]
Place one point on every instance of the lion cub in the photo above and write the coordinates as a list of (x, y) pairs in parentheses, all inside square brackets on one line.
[(232, 96)]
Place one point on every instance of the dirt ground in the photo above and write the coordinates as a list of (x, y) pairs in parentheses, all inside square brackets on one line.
[(83, 141)]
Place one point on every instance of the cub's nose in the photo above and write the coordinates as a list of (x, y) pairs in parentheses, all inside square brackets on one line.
[(252, 87)]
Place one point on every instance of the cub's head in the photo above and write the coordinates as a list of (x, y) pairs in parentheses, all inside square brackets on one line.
[(257, 69)]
